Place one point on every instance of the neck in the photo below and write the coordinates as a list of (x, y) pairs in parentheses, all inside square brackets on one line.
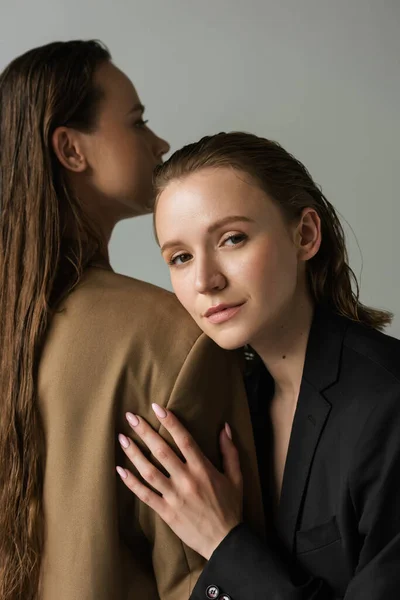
[(101, 213), (104, 220), (283, 347)]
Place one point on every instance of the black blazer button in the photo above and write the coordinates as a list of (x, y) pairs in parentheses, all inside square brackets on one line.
[(224, 597), (212, 592)]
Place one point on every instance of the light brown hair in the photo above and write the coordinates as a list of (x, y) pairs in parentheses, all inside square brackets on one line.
[(45, 244), (290, 185)]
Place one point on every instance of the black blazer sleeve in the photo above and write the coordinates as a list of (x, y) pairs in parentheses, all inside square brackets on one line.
[(247, 569)]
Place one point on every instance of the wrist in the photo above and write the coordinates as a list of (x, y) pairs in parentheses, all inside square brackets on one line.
[(217, 540)]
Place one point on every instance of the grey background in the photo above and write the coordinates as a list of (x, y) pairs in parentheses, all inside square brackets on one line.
[(320, 76)]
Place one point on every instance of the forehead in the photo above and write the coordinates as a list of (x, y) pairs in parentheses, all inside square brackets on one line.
[(117, 87), (198, 200)]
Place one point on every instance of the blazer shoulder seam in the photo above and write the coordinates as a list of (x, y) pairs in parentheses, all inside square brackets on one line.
[(375, 362)]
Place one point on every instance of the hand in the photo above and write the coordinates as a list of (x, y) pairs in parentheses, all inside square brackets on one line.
[(200, 504)]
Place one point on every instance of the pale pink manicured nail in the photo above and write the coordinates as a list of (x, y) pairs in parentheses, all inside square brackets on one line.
[(123, 441), (122, 473), (228, 431), (160, 412), (133, 420)]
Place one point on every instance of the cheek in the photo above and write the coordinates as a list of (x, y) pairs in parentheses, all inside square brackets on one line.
[(122, 167), (120, 148), (125, 156), (272, 269)]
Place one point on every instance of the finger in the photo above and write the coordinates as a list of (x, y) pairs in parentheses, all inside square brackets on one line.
[(230, 457), (157, 445), (148, 471), (141, 491), (180, 435)]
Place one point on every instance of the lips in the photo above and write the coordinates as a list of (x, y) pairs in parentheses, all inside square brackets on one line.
[(222, 312), (217, 308)]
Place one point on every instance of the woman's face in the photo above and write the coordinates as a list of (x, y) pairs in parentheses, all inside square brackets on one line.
[(122, 152), (236, 265)]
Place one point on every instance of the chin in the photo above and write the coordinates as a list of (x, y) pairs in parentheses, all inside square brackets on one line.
[(141, 208), (228, 340)]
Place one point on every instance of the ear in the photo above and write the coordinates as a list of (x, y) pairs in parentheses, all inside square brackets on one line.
[(67, 145), (308, 234)]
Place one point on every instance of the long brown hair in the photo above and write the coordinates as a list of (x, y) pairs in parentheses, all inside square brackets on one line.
[(45, 244), (287, 182)]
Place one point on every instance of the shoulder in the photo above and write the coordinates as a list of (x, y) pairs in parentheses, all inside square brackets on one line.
[(101, 285), (373, 377), (367, 396), (373, 351), (368, 385), (108, 310), (120, 297), (117, 331)]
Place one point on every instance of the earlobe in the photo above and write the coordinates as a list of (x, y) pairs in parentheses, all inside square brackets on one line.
[(67, 148), (309, 234)]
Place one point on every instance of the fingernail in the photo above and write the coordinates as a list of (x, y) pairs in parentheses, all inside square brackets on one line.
[(122, 473), (123, 441), (133, 420), (160, 412), (228, 431)]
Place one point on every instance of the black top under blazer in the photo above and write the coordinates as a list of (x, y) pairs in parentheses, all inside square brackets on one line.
[(336, 533)]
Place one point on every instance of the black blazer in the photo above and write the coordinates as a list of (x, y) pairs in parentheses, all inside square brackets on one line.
[(338, 522)]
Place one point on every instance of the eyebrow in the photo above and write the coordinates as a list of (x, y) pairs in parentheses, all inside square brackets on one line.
[(137, 108), (211, 229)]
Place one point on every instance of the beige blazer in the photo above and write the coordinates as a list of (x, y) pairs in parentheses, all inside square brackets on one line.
[(119, 344)]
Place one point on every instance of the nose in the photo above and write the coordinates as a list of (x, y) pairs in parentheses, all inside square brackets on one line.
[(159, 147), (209, 278)]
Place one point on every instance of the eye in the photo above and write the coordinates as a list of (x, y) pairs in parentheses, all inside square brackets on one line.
[(141, 123), (235, 239), (179, 259)]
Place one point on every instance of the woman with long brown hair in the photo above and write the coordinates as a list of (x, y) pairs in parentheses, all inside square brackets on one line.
[(80, 344), (257, 256)]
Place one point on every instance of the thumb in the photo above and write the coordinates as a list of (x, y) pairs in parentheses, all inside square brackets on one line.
[(230, 457)]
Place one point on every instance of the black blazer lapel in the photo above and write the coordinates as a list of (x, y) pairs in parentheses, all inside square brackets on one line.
[(321, 369), (311, 415)]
